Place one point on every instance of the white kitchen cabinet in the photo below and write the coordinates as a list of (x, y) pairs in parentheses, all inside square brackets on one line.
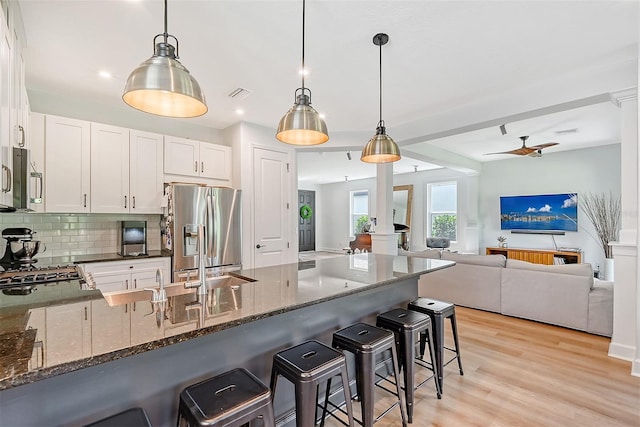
[(146, 176), (14, 104), (144, 327), (7, 55), (126, 170), (196, 159), (109, 169), (67, 186), (68, 333)]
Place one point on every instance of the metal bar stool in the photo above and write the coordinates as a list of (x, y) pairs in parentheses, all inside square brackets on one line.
[(438, 311), (408, 326), (135, 417), (231, 399), (307, 365), (366, 342)]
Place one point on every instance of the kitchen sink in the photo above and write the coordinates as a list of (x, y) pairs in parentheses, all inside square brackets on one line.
[(116, 298)]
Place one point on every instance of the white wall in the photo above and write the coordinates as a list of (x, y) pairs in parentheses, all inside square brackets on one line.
[(332, 201), (244, 138), (577, 171)]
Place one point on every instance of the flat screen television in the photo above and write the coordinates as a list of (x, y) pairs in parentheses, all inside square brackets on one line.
[(544, 212)]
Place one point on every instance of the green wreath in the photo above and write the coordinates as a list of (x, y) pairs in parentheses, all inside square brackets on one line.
[(305, 212)]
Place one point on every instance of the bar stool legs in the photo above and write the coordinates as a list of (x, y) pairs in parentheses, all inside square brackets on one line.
[(365, 342), (306, 366), (408, 326), (438, 311)]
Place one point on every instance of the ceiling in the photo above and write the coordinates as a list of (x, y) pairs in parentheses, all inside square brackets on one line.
[(441, 55)]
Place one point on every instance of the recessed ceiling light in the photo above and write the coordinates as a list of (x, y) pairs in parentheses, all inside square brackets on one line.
[(239, 111), (105, 74), (303, 72), (323, 116)]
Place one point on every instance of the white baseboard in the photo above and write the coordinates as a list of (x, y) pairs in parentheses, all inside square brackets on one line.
[(624, 352)]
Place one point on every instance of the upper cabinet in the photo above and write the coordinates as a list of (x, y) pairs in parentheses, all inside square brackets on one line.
[(109, 169), (126, 170), (97, 168), (14, 105), (146, 178), (67, 180), (200, 159)]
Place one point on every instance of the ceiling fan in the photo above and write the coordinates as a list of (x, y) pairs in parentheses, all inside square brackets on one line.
[(532, 151)]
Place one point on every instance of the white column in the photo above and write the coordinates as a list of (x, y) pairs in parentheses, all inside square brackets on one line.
[(626, 319), (384, 240)]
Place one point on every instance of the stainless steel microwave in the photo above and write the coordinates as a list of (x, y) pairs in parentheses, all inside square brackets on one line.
[(16, 180)]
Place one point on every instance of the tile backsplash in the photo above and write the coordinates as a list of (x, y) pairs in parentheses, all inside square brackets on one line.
[(80, 234)]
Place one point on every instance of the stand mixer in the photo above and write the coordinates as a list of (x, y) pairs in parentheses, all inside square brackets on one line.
[(21, 248)]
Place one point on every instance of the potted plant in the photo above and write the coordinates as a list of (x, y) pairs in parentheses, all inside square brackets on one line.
[(604, 212), (362, 225), (502, 241)]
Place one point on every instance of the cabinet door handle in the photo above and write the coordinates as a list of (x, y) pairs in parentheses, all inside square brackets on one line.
[(22, 137), (133, 201), (201, 167), (85, 313), (9, 179), (135, 283), (125, 202), (196, 167), (85, 200)]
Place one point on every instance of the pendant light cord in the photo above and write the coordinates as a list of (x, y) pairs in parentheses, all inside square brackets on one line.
[(303, 20), (166, 32), (380, 123)]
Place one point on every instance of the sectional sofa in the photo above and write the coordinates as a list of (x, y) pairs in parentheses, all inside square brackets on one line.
[(564, 295)]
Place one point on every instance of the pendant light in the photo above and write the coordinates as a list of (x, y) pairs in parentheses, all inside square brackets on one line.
[(302, 125), (162, 85), (380, 148)]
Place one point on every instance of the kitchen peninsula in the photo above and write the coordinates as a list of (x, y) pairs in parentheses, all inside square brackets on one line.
[(134, 354)]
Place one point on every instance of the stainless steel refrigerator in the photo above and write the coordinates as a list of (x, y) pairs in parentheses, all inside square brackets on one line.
[(218, 210)]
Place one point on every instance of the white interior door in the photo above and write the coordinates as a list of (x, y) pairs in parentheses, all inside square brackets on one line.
[(271, 200)]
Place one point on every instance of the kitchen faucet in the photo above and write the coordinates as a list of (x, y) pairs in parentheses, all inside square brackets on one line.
[(159, 295)]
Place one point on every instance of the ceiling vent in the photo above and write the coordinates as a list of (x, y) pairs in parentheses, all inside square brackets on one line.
[(239, 94)]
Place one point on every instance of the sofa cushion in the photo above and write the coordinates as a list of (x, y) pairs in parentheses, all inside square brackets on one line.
[(485, 260), (429, 253), (583, 269)]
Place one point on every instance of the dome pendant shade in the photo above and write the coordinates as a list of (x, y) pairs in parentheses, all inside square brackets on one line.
[(161, 85), (302, 125), (380, 148)]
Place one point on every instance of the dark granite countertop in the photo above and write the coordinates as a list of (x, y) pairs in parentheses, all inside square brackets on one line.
[(81, 259), (78, 328)]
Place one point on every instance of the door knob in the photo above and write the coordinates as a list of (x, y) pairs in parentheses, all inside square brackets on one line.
[(258, 246)]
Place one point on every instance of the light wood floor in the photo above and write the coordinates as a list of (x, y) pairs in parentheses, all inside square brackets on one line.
[(522, 373)]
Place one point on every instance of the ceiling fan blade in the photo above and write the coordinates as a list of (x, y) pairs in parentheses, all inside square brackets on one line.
[(541, 146), (522, 151)]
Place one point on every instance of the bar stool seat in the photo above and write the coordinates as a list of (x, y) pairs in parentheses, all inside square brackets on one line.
[(408, 326), (366, 342), (231, 399), (134, 417), (307, 365), (438, 311)]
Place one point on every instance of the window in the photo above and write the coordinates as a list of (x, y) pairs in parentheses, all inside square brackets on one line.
[(359, 209), (442, 208)]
